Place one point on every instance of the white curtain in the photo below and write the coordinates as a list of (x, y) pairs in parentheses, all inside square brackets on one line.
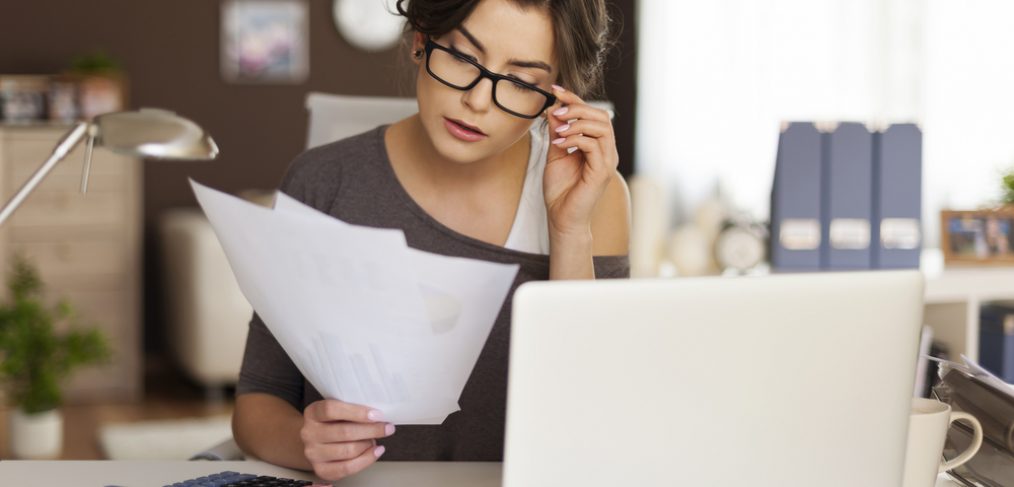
[(716, 79)]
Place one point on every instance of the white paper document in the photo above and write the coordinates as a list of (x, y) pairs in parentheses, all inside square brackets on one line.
[(365, 318)]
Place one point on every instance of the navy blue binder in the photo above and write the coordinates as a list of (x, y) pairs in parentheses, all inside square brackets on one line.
[(996, 340), (796, 200), (848, 198), (897, 197)]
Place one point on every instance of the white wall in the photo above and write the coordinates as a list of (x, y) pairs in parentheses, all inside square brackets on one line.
[(717, 77)]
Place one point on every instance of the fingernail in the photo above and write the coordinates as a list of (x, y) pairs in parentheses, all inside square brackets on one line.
[(558, 87), (377, 452), (560, 111), (571, 150), (375, 415), (389, 429), (559, 141), (562, 127)]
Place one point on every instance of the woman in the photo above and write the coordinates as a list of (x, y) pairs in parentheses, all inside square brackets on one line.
[(500, 164)]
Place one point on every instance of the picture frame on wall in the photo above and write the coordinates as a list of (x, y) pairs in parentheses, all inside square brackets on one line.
[(978, 237), (265, 41)]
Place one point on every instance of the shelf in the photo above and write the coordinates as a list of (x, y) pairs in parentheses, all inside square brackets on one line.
[(961, 283), (954, 297)]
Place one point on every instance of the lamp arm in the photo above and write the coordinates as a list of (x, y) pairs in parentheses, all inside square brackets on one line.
[(71, 139), (87, 164)]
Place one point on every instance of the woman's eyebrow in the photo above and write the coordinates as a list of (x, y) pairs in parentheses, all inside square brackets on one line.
[(514, 62)]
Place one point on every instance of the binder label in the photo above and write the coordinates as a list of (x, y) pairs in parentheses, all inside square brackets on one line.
[(850, 233), (800, 234), (900, 233)]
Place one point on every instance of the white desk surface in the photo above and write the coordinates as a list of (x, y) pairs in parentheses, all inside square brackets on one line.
[(158, 473)]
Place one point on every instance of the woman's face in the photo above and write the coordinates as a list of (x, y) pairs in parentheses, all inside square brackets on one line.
[(506, 40)]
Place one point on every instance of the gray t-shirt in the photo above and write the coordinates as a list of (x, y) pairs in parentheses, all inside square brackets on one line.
[(352, 179)]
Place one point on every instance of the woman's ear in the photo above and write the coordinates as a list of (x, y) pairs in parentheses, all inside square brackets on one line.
[(418, 47)]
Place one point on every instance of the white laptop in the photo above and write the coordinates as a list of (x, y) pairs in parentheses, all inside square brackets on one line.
[(793, 380)]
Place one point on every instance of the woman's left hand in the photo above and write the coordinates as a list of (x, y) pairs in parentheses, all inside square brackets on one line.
[(576, 178)]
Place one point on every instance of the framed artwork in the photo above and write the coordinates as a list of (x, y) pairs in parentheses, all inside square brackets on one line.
[(978, 237), (265, 41)]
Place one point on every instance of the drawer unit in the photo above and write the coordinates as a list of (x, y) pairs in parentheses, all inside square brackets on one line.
[(87, 247)]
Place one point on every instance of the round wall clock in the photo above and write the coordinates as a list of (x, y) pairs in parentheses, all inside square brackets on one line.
[(371, 25)]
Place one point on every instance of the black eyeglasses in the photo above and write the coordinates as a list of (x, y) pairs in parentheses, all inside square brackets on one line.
[(461, 73)]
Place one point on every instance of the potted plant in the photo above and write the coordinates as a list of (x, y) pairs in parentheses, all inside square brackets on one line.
[(35, 357), (102, 85), (1008, 188)]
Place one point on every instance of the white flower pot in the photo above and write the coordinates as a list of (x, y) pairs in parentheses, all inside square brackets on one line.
[(36, 436)]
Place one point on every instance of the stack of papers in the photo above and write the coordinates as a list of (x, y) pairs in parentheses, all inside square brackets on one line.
[(365, 318), (968, 387)]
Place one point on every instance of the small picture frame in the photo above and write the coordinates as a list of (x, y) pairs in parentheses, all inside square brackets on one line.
[(978, 237), (265, 41), (98, 94), (23, 98)]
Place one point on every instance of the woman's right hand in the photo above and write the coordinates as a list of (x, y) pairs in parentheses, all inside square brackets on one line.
[(339, 438)]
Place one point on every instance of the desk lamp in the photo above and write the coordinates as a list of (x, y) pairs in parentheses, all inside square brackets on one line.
[(146, 133)]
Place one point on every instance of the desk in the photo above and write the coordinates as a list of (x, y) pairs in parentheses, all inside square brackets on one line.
[(158, 473)]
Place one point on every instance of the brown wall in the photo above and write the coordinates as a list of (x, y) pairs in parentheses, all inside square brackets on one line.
[(170, 51)]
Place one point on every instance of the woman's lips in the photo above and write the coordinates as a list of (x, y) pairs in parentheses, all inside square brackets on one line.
[(461, 132), (471, 127)]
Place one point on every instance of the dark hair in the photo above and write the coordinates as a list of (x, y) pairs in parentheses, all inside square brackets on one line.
[(581, 28)]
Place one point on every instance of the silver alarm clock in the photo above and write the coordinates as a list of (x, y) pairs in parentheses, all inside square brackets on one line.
[(741, 246)]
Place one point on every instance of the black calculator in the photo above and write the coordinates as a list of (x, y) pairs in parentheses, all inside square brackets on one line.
[(236, 479)]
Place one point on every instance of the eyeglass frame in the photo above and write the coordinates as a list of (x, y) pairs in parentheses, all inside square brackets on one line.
[(486, 74)]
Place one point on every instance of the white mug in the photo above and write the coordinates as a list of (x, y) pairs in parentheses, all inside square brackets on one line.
[(928, 423)]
